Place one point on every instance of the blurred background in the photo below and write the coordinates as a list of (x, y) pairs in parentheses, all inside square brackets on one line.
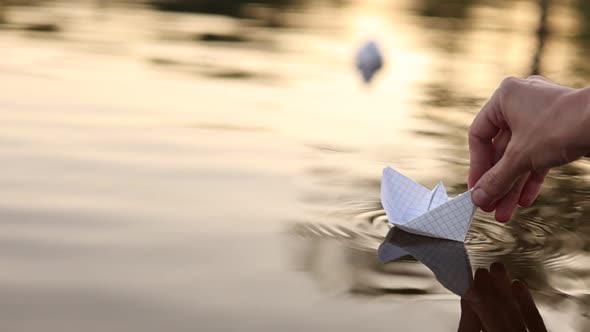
[(214, 165)]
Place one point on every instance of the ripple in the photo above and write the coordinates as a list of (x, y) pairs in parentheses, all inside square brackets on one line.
[(545, 245)]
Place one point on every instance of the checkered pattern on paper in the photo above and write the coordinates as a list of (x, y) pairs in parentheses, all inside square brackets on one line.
[(398, 193), (448, 260), (448, 221), (415, 209), (429, 201), (438, 196)]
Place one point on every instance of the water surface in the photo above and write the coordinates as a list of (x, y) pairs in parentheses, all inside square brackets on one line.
[(219, 170)]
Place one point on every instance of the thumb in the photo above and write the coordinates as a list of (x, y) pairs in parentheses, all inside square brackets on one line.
[(498, 180)]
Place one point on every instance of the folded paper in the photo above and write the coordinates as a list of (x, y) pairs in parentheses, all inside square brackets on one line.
[(415, 209), (448, 260)]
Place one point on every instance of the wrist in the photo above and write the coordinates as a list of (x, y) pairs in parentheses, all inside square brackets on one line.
[(575, 106), (584, 95)]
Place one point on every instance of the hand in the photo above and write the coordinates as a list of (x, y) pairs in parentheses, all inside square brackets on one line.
[(494, 304), (527, 127)]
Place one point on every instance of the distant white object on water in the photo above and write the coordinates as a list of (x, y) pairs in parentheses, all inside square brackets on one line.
[(369, 60)]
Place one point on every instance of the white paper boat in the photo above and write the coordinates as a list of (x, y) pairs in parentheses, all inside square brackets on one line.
[(415, 209)]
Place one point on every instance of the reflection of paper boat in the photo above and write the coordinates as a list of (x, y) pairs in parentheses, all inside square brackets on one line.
[(415, 209), (448, 260)]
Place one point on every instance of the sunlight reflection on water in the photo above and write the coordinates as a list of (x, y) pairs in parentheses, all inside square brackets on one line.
[(153, 160)]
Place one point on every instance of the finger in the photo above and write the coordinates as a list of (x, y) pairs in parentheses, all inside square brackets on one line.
[(481, 299), (540, 79), (507, 205), (500, 143), (531, 315), (484, 128), (503, 295), (501, 280), (469, 321), (478, 295), (490, 207), (480, 288), (532, 188), (482, 281), (496, 182)]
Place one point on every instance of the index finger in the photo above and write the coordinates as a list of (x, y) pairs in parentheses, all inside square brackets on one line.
[(469, 321), (482, 131), (530, 313)]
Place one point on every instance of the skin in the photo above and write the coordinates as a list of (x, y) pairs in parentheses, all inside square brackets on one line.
[(527, 127), (494, 303)]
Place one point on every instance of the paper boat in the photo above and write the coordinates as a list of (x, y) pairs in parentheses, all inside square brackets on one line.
[(369, 60), (418, 210)]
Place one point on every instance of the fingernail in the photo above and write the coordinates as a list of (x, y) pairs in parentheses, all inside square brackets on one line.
[(481, 198)]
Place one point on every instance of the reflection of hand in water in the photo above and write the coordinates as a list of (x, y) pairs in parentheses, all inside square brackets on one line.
[(494, 303)]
